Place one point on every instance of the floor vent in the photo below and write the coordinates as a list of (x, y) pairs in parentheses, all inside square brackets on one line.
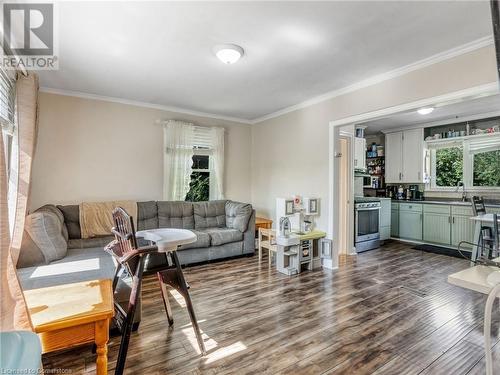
[(417, 292)]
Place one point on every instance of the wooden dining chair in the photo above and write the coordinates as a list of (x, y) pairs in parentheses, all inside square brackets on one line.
[(131, 259)]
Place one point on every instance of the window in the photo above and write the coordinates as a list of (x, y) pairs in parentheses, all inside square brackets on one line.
[(449, 166), (199, 186), (473, 161), (193, 162), (7, 111), (486, 169)]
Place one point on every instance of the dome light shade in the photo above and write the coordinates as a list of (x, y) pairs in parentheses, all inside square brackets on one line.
[(425, 111), (228, 53)]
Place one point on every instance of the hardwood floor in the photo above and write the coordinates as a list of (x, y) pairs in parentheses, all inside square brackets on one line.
[(386, 311)]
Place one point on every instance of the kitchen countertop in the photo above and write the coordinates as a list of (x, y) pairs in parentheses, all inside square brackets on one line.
[(449, 201)]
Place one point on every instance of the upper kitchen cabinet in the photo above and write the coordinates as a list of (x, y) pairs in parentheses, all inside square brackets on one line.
[(359, 153), (393, 161), (404, 161)]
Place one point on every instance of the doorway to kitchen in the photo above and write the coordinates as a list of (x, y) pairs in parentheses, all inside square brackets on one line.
[(342, 133)]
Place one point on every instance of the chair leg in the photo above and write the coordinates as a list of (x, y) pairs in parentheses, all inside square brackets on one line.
[(175, 278), (166, 303), (194, 322), (129, 320)]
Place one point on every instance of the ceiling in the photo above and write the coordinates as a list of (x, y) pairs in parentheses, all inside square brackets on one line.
[(445, 113), (161, 52)]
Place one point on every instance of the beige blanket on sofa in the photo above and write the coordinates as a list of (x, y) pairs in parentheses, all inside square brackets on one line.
[(96, 219)]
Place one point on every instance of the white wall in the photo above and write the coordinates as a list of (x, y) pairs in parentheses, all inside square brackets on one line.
[(96, 150), (290, 152)]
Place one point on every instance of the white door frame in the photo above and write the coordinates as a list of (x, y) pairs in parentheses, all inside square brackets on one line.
[(453, 97)]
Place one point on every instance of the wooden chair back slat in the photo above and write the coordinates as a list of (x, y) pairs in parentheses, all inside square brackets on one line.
[(124, 247), (478, 207)]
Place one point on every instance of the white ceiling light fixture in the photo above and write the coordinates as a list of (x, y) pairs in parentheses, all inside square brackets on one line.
[(228, 53), (425, 111)]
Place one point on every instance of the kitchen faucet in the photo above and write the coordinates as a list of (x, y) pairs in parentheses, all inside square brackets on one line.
[(464, 194)]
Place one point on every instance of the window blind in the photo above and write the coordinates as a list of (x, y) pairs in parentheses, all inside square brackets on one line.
[(203, 137), (7, 100), (484, 144), (445, 143)]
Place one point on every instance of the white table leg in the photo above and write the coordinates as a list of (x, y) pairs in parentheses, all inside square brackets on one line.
[(477, 232), (487, 328)]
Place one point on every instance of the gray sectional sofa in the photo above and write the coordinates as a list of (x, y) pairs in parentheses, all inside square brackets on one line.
[(53, 252)]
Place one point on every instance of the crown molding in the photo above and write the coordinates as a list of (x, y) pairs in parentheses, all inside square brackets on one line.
[(83, 95), (442, 56)]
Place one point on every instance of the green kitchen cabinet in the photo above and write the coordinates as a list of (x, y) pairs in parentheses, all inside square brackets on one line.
[(394, 222), (462, 227), (437, 228), (437, 224), (410, 221)]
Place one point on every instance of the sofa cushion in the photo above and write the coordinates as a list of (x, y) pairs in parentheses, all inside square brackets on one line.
[(45, 229), (71, 215), (147, 215), (221, 236), (237, 215), (175, 215), (209, 214), (30, 254), (202, 240), (58, 212), (77, 265)]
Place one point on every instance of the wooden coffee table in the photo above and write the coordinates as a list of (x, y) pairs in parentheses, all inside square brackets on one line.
[(68, 315)]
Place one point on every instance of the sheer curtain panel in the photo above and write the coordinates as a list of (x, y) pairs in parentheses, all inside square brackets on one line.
[(178, 159)]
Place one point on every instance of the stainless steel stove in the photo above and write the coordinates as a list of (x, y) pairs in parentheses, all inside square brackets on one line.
[(366, 223)]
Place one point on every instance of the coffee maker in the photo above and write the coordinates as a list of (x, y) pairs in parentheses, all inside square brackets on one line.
[(415, 194)]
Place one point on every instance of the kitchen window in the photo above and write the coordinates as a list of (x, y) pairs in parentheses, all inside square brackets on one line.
[(486, 169), (448, 167), (475, 161)]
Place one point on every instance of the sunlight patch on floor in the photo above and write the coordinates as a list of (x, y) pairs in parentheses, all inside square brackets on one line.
[(224, 352), (178, 297), (191, 337)]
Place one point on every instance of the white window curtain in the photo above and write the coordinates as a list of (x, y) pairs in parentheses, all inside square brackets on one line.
[(13, 312), (178, 159), (218, 161)]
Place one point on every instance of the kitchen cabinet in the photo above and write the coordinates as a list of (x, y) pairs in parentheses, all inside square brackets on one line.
[(393, 152), (394, 222), (437, 224), (462, 227), (410, 221), (404, 161), (385, 219), (359, 153)]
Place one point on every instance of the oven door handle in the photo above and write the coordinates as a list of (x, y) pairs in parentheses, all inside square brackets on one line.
[(368, 209)]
